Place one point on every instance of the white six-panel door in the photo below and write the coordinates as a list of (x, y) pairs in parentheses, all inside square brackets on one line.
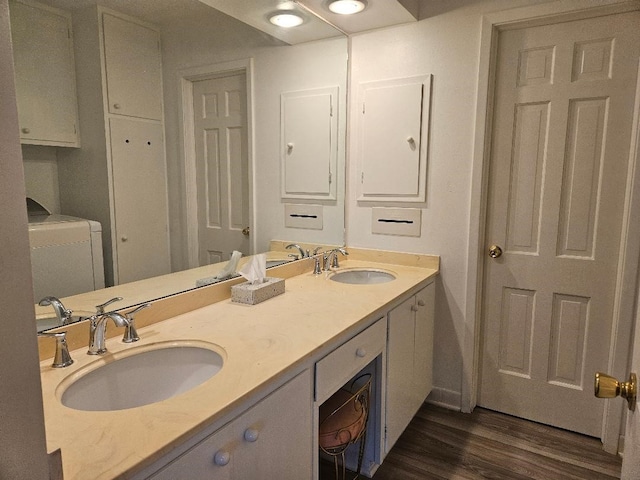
[(560, 151), (220, 123)]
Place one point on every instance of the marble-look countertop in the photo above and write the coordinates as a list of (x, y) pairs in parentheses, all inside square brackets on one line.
[(262, 344)]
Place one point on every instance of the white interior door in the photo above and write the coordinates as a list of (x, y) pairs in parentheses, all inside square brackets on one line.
[(222, 169), (560, 150)]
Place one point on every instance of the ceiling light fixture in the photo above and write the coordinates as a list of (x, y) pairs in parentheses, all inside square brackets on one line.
[(286, 19), (347, 7)]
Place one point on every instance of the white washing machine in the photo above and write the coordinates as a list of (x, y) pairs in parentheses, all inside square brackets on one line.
[(66, 255)]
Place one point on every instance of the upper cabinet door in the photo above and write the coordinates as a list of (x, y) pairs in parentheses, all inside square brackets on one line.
[(45, 75), (133, 68), (309, 143), (392, 139)]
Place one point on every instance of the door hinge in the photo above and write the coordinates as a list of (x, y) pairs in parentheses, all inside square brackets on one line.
[(363, 108), (362, 177), (329, 178)]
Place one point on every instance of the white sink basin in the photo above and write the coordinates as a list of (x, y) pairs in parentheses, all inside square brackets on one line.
[(141, 376), (362, 276)]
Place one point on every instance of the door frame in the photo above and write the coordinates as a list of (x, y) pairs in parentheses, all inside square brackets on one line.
[(186, 78), (620, 348)]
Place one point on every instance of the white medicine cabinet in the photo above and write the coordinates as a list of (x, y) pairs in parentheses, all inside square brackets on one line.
[(309, 143), (45, 74), (392, 139)]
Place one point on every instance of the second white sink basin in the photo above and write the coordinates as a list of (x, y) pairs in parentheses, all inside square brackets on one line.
[(141, 376), (362, 276)]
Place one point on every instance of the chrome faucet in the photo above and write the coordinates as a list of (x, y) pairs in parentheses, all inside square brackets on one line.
[(303, 253), (98, 330), (130, 333), (63, 314), (331, 259), (100, 308)]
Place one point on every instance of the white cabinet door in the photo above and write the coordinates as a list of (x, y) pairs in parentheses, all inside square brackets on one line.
[(45, 75), (309, 143), (409, 361), (392, 139), (140, 200), (133, 68), (272, 440), (423, 359)]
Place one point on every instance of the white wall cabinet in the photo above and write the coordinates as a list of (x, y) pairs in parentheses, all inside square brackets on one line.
[(45, 75), (134, 73), (392, 139), (119, 177), (309, 143), (409, 361), (274, 439)]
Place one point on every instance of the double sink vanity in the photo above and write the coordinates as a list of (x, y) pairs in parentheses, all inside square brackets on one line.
[(218, 389)]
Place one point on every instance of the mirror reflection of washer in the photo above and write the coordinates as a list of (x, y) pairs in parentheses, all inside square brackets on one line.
[(66, 254)]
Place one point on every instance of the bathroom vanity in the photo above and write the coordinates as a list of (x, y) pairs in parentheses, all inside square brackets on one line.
[(257, 417)]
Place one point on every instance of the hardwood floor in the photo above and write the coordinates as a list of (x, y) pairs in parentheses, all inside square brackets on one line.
[(442, 444)]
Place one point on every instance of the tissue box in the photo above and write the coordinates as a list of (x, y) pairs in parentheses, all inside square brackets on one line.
[(252, 294)]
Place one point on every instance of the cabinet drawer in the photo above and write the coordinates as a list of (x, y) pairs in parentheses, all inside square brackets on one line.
[(259, 444), (334, 370)]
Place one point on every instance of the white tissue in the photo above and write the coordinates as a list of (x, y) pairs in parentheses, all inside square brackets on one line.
[(255, 270), (226, 272)]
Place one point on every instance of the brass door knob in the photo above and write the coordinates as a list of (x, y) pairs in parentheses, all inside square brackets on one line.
[(495, 251), (605, 386), (245, 231)]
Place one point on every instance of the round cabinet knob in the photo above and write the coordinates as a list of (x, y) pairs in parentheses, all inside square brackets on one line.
[(221, 458), (414, 308), (26, 130), (361, 352), (116, 106), (251, 435), (421, 303), (124, 238)]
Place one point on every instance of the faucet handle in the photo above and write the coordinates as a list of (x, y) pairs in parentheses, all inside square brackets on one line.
[(100, 308), (130, 333), (62, 358)]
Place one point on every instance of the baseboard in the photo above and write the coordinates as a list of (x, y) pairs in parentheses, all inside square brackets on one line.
[(445, 398)]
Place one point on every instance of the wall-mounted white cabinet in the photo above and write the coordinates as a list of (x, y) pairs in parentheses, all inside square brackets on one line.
[(409, 361), (45, 74), (309, 143), (134, 68), (119, 177), (392, 139)]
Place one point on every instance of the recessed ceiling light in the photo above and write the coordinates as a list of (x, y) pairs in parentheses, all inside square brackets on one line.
[(347, 7), (286, 19)]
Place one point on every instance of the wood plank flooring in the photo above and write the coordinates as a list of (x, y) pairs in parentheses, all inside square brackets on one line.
[(442, 444)]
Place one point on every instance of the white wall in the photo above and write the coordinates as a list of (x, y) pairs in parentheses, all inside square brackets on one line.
[(41, 176), (277, 68), (447, 46), (23, 453)]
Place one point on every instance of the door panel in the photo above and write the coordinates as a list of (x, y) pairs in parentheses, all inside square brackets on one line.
[(558, 171)]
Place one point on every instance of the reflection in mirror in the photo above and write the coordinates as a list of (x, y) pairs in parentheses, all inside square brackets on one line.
[(146, 153)]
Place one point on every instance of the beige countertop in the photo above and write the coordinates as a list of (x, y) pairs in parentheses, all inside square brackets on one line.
[(262, 345)]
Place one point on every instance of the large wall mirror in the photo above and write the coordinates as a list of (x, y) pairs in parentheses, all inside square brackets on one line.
[(199, 44)]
